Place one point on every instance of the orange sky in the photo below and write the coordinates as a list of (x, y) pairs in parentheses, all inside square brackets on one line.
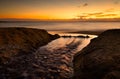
[(59, 9)]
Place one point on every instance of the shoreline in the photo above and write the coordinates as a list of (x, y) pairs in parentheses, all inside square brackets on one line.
[(75, 34), (91, 32)]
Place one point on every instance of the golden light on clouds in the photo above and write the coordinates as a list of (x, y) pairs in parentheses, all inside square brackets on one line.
[(60, 9), (99, 15)]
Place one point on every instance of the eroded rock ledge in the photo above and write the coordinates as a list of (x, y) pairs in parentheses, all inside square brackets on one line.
[(17, 46), (100, 59)]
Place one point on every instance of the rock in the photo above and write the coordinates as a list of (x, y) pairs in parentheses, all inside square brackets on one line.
[(14, 41), (17, 52), (55, 36), (100, 59)]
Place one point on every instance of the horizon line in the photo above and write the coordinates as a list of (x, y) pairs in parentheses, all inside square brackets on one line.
[(74, 19)]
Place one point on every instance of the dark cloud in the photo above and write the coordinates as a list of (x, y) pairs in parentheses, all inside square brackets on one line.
[(116, 2), (85, 4)]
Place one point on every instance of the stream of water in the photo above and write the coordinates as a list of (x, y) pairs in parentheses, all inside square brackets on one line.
[(58, 54)]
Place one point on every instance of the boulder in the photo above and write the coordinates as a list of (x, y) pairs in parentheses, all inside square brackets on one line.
[(100, 59)]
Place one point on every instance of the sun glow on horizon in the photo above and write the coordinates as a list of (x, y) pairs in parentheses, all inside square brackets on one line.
[(46, 10)]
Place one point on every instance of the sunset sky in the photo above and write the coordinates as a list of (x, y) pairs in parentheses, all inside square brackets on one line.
[(59, 9)]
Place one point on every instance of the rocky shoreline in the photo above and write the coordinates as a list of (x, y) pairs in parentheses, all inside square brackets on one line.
[(20, 57), (16, 51), (100, 59)]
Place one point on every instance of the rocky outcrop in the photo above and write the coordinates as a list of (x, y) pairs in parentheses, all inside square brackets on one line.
[(17, 46), (15, 41), (100, 59)]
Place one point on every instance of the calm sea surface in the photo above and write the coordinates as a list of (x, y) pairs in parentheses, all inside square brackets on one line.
[(65, 26)]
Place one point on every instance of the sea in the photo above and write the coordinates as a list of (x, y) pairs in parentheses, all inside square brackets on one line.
[(64, 26)]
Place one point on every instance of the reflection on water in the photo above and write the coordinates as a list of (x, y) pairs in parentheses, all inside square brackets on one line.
[(58, 54), (70, 34), (65, 42)]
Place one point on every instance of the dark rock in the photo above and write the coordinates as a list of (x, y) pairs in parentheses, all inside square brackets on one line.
[(79, 36), (55, 36), (100, 59), (17, 51), (14, 41)]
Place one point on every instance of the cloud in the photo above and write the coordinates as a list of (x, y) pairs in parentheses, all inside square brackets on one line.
[(110, 10), (97, 15), (82, 16), (84, 5), (116, 2), (107, 15), (92, 14)]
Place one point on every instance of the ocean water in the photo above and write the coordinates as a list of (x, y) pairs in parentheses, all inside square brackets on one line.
[(59, 54), (65, 26)]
